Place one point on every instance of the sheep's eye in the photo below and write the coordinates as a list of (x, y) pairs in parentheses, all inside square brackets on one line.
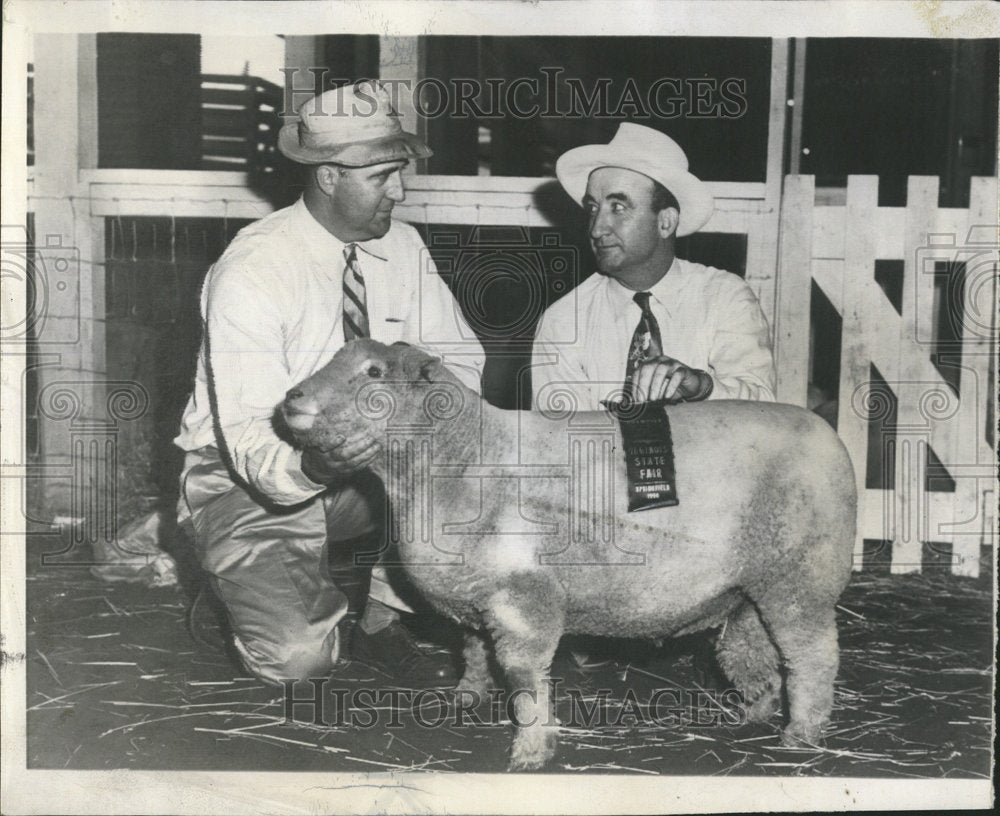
[(374, 371)]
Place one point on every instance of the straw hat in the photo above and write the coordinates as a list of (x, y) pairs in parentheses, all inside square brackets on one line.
[(353, 125), (647, 151)]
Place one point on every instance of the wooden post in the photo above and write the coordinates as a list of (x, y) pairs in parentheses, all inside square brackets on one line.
[(14, 318), (762, 241), (915, 392), (70, 255), (59, 328), (859, 295), (798, 106), (794, 288)]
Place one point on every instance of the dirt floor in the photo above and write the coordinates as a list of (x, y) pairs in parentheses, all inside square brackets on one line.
[(126, 677)]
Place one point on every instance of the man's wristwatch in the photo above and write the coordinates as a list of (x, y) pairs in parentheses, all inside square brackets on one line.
[(705, 390)]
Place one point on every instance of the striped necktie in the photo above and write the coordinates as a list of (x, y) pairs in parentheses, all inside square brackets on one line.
[(355, 299), (646, 340)]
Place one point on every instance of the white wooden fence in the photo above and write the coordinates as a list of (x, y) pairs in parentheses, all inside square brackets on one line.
[(837, 248)]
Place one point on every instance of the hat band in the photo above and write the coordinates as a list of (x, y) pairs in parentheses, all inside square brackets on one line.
[(355, 132)]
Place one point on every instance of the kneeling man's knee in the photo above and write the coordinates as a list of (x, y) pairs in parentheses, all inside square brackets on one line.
[(275, 663)]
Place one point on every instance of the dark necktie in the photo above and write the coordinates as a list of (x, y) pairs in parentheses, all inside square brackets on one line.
[(355, 298), (646, 340)]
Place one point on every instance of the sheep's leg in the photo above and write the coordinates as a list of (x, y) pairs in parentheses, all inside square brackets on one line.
[(526, 620), (476, 677), (806, 634), (748, 657)]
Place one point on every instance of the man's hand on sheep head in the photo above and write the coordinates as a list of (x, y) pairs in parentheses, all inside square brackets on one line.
[(347, 455)]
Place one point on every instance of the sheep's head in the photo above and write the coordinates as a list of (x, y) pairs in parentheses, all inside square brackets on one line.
[(368, 386)]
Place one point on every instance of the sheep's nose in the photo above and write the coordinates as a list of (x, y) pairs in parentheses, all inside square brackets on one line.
[(299, 410)]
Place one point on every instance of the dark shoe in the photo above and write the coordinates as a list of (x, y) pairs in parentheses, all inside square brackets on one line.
[(393, 652)]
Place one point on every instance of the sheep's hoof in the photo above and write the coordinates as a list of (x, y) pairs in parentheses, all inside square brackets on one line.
[(799, 735), (532, 749)]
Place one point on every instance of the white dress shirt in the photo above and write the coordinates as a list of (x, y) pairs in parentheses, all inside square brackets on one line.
[(272, 311), (709, 319)]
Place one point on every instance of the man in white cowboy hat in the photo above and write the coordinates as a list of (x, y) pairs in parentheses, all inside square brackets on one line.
[(650, 323), (289, 291)]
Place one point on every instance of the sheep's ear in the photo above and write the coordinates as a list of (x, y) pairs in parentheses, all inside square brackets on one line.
[(427, 368), (418, 364)]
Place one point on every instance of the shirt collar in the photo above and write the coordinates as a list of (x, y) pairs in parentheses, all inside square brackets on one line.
[(663, 291), (324, 243), (666, 288)]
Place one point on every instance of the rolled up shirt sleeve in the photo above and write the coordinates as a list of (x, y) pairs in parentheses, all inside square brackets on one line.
[(740, 361), (248, 378)]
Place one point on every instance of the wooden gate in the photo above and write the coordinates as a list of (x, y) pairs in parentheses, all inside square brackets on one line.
[(837, 248)]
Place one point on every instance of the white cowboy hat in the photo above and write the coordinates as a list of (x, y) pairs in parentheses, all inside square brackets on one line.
[(645, 151), (353, 125)]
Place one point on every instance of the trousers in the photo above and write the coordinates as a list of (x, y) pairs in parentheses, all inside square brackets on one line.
[(268, 564)]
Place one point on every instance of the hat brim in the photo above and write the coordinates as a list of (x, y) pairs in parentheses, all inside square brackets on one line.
[(697, 204), (394, 147)]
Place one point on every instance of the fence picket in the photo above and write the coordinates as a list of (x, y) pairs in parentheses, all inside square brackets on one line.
[(915, 414), (791, 320), (858, 294)]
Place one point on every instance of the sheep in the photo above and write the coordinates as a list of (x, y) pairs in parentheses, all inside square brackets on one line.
[(495, 526)]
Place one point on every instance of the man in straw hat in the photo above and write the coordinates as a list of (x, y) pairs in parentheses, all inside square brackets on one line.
[(289, 291), (650, 324)]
